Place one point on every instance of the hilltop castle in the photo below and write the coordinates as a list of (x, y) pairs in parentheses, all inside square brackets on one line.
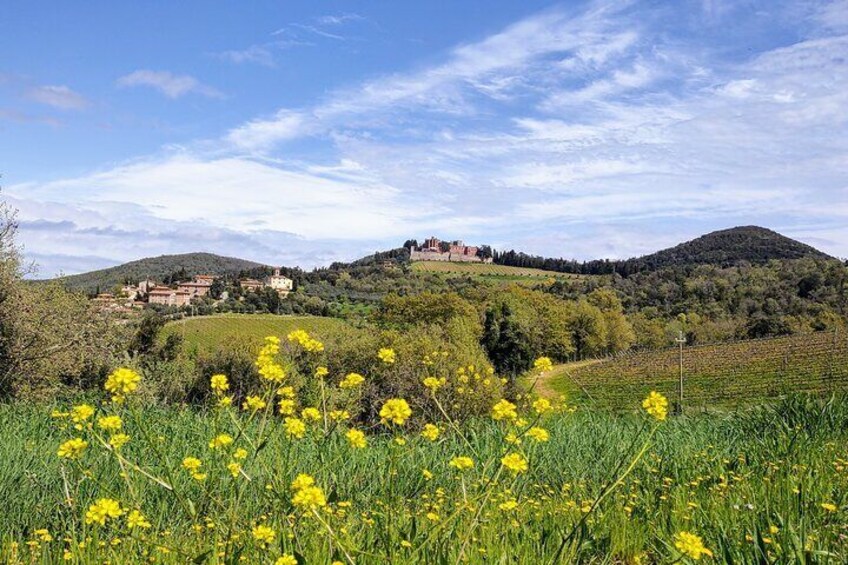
[(435, 249)]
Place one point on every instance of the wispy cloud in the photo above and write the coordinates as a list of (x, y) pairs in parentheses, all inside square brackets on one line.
[(607, 131), (61, 97), (169, 84)]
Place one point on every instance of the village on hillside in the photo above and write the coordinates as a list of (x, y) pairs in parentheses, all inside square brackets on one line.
[(131, 297)]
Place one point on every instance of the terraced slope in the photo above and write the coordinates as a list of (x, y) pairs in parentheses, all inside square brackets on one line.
[(720, 375)]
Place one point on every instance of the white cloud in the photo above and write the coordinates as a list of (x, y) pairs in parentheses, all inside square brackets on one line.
[(259, 54), (169, 84), (60, 97)]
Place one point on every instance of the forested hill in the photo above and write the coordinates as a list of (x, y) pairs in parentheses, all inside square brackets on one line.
[(724, 248), (162, 268)]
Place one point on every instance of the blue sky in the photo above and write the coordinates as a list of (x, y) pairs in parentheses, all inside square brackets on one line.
[(299, 133)]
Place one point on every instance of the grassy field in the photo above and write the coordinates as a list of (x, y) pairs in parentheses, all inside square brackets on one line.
[(719, 375), (765, 486), (210, 332), (486, 270)]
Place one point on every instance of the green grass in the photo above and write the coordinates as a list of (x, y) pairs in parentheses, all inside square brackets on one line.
[(209, 333), (720, 375), (488, 270), (729, 479)]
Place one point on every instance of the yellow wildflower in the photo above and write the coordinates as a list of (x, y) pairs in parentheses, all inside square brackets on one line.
[(109, 423), (287, 559), (302, 481), (122, 382), (462, 463), (81, 413), (192, 464), (240, 454), (221, 440), (690, 545), (286, 392), (430, 432), (219, 383), (656, 405), (543, 364), (294, 427), (351, 380), (538, 434), (101, 510), (504, 410), (541, 405), (311, 414), (508, 505), (829, 506), (234, 468), (356, 438), (118, 441), (433, 383), (396, 411), (136, 519), (72, 449), (387, 355), (339, 415), (309, 497), (253, 403), (515, 463), (263, 534), (321, 372), (286, 406), (225, 401)]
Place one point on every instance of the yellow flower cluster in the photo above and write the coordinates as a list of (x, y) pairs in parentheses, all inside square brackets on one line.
[(266, 362), (306, 494), (122, 382), (515, 462), (356, 438), (504, 410), (305, 341), (395, 411), (430, 432), (691, 545), (543, 364), (73, 448), (387, 355), (462, 463), (351, 380), (102, 510), (656, 405)]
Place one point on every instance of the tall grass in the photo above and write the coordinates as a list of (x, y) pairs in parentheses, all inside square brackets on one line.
[(752, 484)]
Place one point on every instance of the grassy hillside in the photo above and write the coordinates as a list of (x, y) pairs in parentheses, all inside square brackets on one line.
[(722, 375), (157, 268), (211, 332), (488, 270)]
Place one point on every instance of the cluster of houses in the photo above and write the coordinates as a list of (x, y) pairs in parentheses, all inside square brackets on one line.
[(149, 292)]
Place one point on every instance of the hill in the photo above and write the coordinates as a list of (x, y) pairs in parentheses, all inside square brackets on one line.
[(723, 248), (738, 373), (158, 268)]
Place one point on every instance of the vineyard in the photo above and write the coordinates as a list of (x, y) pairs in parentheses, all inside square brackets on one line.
[(717, 375), (485, 270)]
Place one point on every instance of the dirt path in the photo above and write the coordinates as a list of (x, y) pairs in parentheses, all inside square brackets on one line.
[(543, 384)]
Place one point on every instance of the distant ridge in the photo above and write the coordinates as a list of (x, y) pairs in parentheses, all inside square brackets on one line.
[(158, 268), (724, 248)]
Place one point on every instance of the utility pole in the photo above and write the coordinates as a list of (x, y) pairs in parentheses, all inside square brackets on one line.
[(681, 339)]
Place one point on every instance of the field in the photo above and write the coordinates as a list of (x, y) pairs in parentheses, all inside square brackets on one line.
[(210, 332), (486, 270), (769, 485), (720, 375)]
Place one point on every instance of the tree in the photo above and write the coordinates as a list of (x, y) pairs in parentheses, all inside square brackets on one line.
[(507, 347)]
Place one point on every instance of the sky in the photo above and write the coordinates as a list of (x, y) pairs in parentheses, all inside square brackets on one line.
[(300, 133)]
